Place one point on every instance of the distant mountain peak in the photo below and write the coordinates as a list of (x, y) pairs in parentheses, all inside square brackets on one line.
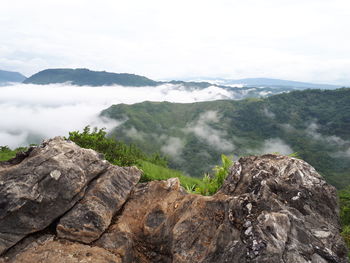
[(266, 82), (240, 88), (11, 76), (83, 76)]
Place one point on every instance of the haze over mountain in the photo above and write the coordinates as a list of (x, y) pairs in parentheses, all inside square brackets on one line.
[(81, 76), (10, 76), (268, 82), (239, 89), (313, 123)]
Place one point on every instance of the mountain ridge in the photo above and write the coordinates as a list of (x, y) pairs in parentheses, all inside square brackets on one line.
[(270, 82), (82, 76), (11, 76)]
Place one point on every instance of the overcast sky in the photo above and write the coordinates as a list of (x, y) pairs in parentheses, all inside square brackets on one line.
[(303, 40)]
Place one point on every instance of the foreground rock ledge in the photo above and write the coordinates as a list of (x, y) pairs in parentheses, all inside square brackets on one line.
[(270, 209), (41, 186)]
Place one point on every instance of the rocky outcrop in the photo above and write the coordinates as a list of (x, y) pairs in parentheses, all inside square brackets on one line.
[(93, 214), (44, 184), (48, 250), (290, 213), (270, 209)]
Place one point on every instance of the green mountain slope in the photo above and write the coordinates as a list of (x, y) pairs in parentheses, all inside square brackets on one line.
[(87, 77), (314, 123)]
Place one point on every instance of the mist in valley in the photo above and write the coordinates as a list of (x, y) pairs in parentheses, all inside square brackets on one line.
[(30, 113)]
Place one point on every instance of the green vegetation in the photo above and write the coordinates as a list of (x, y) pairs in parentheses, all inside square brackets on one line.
[(346, 235), (6, 153), (154, 166), (314, 123), (344, 199), (211, 184), (116, 152), (155, 172)]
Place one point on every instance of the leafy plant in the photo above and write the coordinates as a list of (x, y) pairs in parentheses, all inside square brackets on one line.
[(211, 184), (153, 172), (295, 155), (190, 188)]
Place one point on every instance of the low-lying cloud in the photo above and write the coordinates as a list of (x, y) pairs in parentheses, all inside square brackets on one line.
[(312, 131), (135, 134), (276, 145), (269, 113), (30, 113), (173, 147), (202, 129), (271, 145)]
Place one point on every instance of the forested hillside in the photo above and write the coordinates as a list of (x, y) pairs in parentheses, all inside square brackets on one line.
[(87, 77), (313, 123)]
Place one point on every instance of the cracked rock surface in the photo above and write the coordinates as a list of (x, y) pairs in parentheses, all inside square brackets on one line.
[(58, 176), (271, 208)]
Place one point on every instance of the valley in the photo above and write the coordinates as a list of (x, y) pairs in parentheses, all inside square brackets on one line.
[(314, 124)]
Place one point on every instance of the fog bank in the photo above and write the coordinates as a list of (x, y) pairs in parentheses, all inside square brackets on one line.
[(30, 113)]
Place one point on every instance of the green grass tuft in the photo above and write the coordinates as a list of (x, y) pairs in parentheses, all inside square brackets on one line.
[(153, 172)]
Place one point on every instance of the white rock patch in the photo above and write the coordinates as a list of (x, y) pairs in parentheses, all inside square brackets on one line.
[(55, 174)]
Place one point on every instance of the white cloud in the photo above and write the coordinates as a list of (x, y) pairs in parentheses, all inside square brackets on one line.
[(311, 130), (343, 145), (202, 129), (269, 113), (272, 145), (134, 134), (275, 145), (341, 154), (287, 127), (347, 153), (173, 147), (31, 112)]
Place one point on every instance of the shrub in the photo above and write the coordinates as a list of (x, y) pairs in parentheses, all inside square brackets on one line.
[(114, 151)]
